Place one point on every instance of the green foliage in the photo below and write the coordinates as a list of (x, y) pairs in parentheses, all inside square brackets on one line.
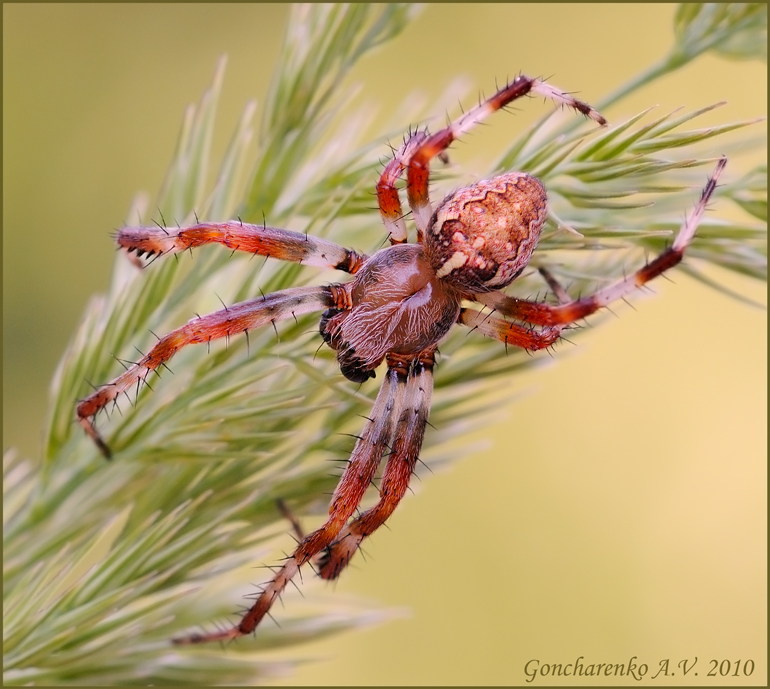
[(735, 30), (104, 562)]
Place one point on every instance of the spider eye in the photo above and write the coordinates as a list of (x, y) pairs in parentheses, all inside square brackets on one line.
[(483, 235)]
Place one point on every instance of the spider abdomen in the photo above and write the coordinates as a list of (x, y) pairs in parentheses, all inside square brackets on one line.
[(482, 236), (398, 305)]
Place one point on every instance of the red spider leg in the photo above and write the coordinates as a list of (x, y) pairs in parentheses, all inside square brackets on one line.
[(238, 236), (510, 333), (538, 313), (233, 320), (417, 175), (387, 194), (363, 463), (517, 335), (404, 453)]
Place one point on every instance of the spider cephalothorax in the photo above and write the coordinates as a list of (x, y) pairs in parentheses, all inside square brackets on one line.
[(397, 304), (401, 302)]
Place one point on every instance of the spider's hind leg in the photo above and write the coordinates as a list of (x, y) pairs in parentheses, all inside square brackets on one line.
[(552, 319), (387, 194), (417, 175)]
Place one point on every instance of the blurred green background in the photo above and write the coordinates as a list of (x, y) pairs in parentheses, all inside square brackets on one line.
[(568, 532)]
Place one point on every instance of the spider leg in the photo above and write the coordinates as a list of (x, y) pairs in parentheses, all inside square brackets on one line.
[(233, 320), (400, 466), (417, 176), (556, 317), (510, 333), (363, 463), (555, 285), (239, 236), (387, 194)]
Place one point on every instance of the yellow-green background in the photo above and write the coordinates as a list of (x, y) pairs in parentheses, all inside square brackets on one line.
[(569, 531)]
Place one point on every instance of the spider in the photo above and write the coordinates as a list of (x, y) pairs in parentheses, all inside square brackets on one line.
[(399, 305)]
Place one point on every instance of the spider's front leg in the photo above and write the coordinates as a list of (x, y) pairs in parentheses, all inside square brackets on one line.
[(554, 318), (233, 320), (405, 450), (398, 421)]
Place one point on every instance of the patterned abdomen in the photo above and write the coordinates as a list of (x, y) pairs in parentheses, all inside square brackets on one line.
[(482, 236)]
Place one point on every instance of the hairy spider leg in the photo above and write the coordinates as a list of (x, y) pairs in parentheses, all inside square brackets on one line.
[(427, 146), (525, 337), (554, 318), (387, 194), (510, 333), (417, 175), (404, 453), (239, 236), (232, 320), (559, 292), (362, 465)]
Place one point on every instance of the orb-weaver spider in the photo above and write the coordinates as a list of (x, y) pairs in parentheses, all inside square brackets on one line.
[(402, 301)]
